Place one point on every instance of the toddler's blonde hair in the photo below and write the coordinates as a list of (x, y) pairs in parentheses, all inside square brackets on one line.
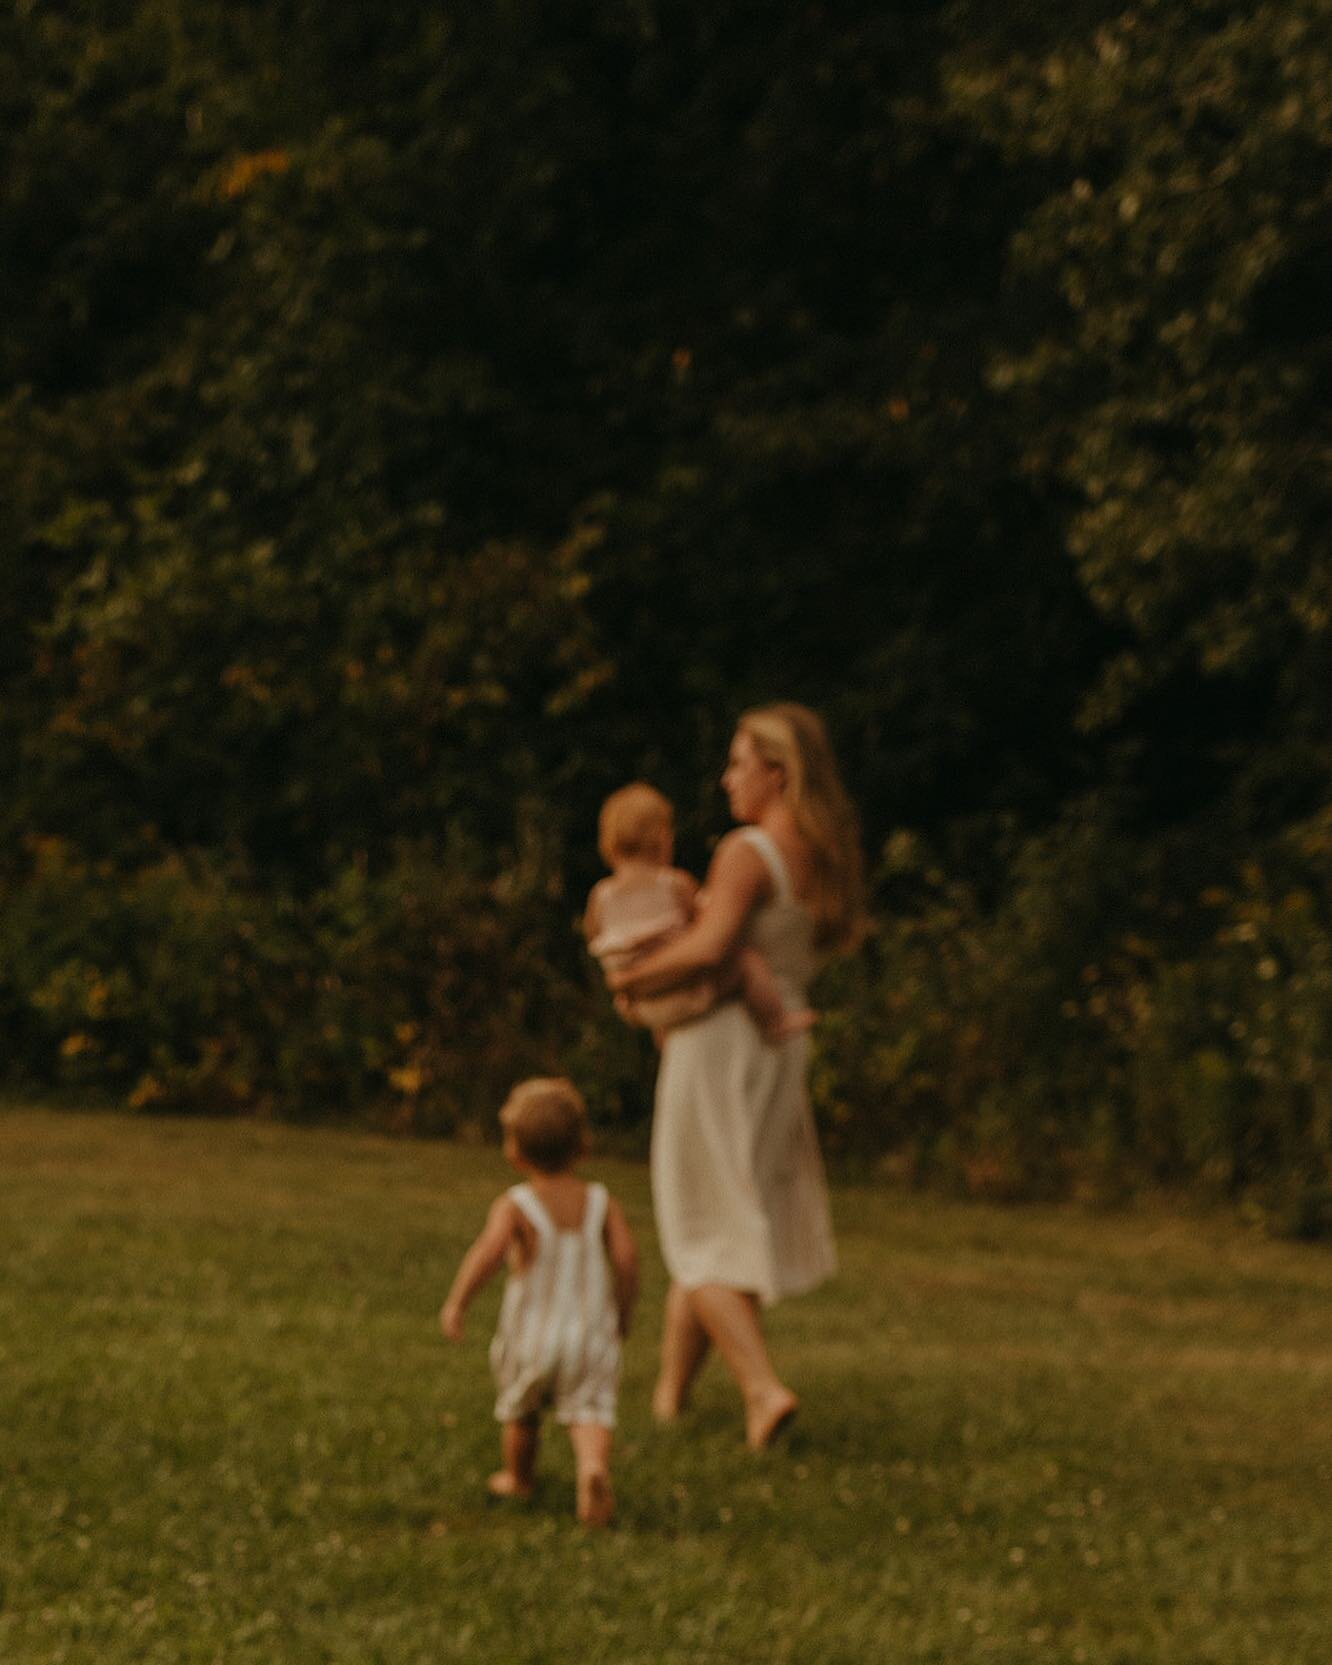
[(546, 1118), (632, 821)]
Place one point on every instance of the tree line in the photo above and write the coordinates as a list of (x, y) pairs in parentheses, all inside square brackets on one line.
[(414, 425)]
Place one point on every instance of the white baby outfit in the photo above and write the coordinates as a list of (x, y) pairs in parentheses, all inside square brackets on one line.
[(636, 917), (558, 1339)]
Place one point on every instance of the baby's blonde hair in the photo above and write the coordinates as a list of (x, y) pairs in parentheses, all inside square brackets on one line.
[(546, 1118), (632, 821), (794, 737)]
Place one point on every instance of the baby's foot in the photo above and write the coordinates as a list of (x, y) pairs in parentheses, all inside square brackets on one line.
[(786, 1024), (505, 1483), (596, 1502), (768, 1417)]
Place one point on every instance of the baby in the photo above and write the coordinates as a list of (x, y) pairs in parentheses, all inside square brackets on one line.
[(573, 1278), (645, 902)]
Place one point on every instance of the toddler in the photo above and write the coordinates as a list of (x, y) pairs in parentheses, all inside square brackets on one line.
[(573, 1277), (645, 902)]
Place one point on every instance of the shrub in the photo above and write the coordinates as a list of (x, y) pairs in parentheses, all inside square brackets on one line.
[(1082, 1034), (419, 994)]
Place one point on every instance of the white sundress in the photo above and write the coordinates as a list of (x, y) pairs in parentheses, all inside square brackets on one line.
[(737, 1179)]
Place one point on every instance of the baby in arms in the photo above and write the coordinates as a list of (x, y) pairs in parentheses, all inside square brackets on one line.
[(645, 902)]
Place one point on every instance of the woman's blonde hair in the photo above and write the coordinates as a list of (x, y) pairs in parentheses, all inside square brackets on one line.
[(632, 822), (546, 1118), (794, 738)]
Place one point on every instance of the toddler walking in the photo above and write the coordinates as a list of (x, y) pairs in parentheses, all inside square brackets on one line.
[(645, 902), (573, 1278)]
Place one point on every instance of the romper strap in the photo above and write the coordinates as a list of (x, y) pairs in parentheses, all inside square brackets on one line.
[(533, 1208), (773, 860), (594, 1212)]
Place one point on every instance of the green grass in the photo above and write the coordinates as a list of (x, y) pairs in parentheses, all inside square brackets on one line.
[(229, 1431)]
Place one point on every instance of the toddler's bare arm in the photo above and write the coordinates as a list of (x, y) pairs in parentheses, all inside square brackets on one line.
[(479, 1264)]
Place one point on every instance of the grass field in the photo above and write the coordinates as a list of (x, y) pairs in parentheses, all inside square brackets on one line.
[(229, 1431)]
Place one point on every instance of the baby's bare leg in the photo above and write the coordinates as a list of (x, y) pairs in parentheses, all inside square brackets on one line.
[(518, 1448), (592, 1450), (763, 997)]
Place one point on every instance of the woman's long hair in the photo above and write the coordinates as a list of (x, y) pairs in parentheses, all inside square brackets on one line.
[(794, 737)]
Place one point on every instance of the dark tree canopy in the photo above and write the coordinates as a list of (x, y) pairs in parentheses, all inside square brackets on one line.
[(415, 423)]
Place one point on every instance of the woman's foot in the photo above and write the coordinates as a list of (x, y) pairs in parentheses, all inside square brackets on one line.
[(504, 1483), (596, 1502), (768, 1417)]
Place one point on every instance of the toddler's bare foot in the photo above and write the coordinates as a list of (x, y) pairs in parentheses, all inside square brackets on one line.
[(504, 1483), (769, 1417), (596, 1503)]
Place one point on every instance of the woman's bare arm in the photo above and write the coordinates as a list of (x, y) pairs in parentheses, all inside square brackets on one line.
[(687, 889), (737, 882), (623, 1255)]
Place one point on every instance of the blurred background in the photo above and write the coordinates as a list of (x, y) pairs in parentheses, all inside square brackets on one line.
[(416, 422)]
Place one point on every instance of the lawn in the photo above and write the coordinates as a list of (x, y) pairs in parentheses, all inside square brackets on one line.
[(230, 1431)]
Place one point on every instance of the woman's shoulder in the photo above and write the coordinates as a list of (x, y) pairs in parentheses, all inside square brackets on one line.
[(742, 847), (740, 862), (785, 860), (740, 838)]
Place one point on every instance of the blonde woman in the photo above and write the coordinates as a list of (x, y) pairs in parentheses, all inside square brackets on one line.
[(737, 1180)]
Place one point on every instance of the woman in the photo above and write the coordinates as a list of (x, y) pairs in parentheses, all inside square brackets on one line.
[(737, 1181)]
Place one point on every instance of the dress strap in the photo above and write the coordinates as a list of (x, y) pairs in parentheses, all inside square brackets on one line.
[(533, 1208), (773, 860)]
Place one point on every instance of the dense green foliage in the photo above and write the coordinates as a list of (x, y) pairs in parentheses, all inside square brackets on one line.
[(412, 426)]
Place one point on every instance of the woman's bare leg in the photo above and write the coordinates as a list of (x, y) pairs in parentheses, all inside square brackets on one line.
[(518, 1448), (684, 1346), (592, 1448), (731, 1319)]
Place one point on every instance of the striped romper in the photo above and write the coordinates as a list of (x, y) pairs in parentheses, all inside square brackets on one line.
[(558, 1340)]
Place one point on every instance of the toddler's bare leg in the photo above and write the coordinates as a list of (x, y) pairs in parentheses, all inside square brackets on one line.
[(684, 1346), (518, 1448), (592, 1448)]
